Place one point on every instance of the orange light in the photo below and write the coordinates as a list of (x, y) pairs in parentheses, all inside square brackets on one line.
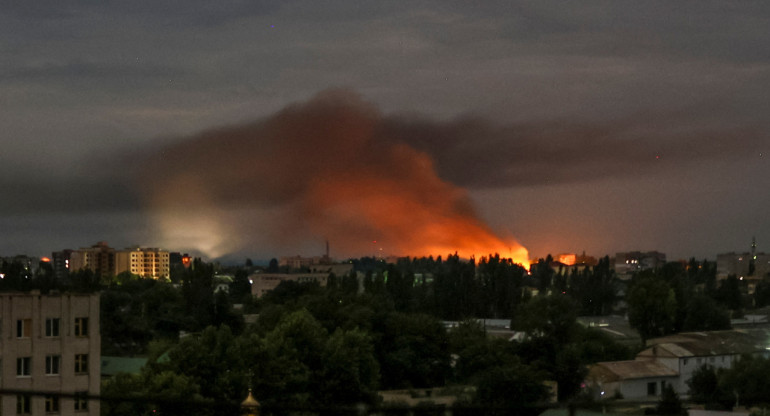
[(569, 259), (45, 259)]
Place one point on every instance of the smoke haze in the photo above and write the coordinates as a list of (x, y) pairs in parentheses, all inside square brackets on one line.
[(325, 169)]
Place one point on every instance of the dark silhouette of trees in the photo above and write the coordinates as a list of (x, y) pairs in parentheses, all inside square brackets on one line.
[(651, 306)]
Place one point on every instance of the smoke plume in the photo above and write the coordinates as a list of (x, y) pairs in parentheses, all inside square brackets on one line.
[(325, 169)]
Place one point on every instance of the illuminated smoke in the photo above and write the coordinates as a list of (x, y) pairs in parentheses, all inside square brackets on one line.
[(324, 169)]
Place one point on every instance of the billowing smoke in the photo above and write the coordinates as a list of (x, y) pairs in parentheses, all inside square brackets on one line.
[(328, 169), (335, 168)]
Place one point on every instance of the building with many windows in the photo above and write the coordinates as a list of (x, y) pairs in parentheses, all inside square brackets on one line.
[(107, 261), (49, 344), (145, 262)]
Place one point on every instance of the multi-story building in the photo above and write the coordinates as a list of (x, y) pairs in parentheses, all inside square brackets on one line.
[(743, 265), (50, 346), (628, 263), (99, 258), (262, 283), (106, 261), (145, 262), (60, 262)]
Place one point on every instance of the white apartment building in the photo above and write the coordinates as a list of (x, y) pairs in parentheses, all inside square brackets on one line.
[(49, 343)]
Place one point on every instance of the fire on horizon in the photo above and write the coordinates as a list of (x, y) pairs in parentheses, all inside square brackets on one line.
[(324, 169)]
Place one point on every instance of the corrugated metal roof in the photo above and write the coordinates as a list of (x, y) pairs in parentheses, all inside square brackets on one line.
[(704, 344), (632, 369)]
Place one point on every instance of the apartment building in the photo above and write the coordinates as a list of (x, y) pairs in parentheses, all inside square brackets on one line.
[(107, 261), (145, 262), (49, 344)]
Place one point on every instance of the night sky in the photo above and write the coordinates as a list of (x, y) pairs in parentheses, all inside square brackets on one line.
[(263, 128)]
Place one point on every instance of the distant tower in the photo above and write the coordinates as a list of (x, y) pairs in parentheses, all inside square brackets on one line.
[(752, 266)]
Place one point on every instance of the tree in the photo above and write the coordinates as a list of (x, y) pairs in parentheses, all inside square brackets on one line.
[(550, 317), (670, 404), (511, 389), (350, 373), (704, 314), (412, 351), (704, 385), (651, 306)]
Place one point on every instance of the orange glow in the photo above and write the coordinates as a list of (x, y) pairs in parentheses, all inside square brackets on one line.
[(569, 259), (45, 259), (325, 170)]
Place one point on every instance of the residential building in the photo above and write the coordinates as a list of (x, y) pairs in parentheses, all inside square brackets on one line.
[(673, 359), (628, 263), (262, 283), (146, 262), (99, 258), (50, 343), (60, 263), (106, 261), (743, 265)]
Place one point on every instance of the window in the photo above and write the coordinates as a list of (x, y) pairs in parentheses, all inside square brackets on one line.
[(52, 365), (651, 390), (81, 327), (52, 404), (81, 401), (23, 328), (22, 404), (23, 366), (81, 363), (684, 361), (52, 327)]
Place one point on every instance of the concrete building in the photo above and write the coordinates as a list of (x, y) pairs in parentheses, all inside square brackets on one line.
[(99, 258), (51, 344), (628, 263), (262, 283), (146, 262), (60, 262), (106, 261), (671, 360), (743, 265)]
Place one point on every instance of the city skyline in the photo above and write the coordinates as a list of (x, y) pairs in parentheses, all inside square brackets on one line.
[(599, 127)]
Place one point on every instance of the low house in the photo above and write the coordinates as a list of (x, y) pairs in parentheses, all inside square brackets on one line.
[(673, 359), (631, 379)]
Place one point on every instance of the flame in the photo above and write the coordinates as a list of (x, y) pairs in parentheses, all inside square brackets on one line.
[(320, 170)]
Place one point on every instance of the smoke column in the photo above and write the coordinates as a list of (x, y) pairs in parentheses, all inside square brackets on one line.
[(323, 169)]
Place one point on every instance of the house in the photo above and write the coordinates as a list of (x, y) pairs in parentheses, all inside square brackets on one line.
[(673, 359)]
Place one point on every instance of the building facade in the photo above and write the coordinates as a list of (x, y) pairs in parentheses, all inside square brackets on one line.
[(99, 258), (743, 265), (49, 343), (146, 262), (672, 360), (106, 261), (628, 263)]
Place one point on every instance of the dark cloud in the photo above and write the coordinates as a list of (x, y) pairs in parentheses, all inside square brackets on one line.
[(337, 167), (475, 153)]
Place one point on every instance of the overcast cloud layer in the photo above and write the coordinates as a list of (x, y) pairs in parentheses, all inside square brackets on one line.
[(603, 126)]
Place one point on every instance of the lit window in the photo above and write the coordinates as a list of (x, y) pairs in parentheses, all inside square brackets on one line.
[(52, 365), (52, 327), (81, 363), (23, 328), (81, 327), (52, 404), (23, 366)]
